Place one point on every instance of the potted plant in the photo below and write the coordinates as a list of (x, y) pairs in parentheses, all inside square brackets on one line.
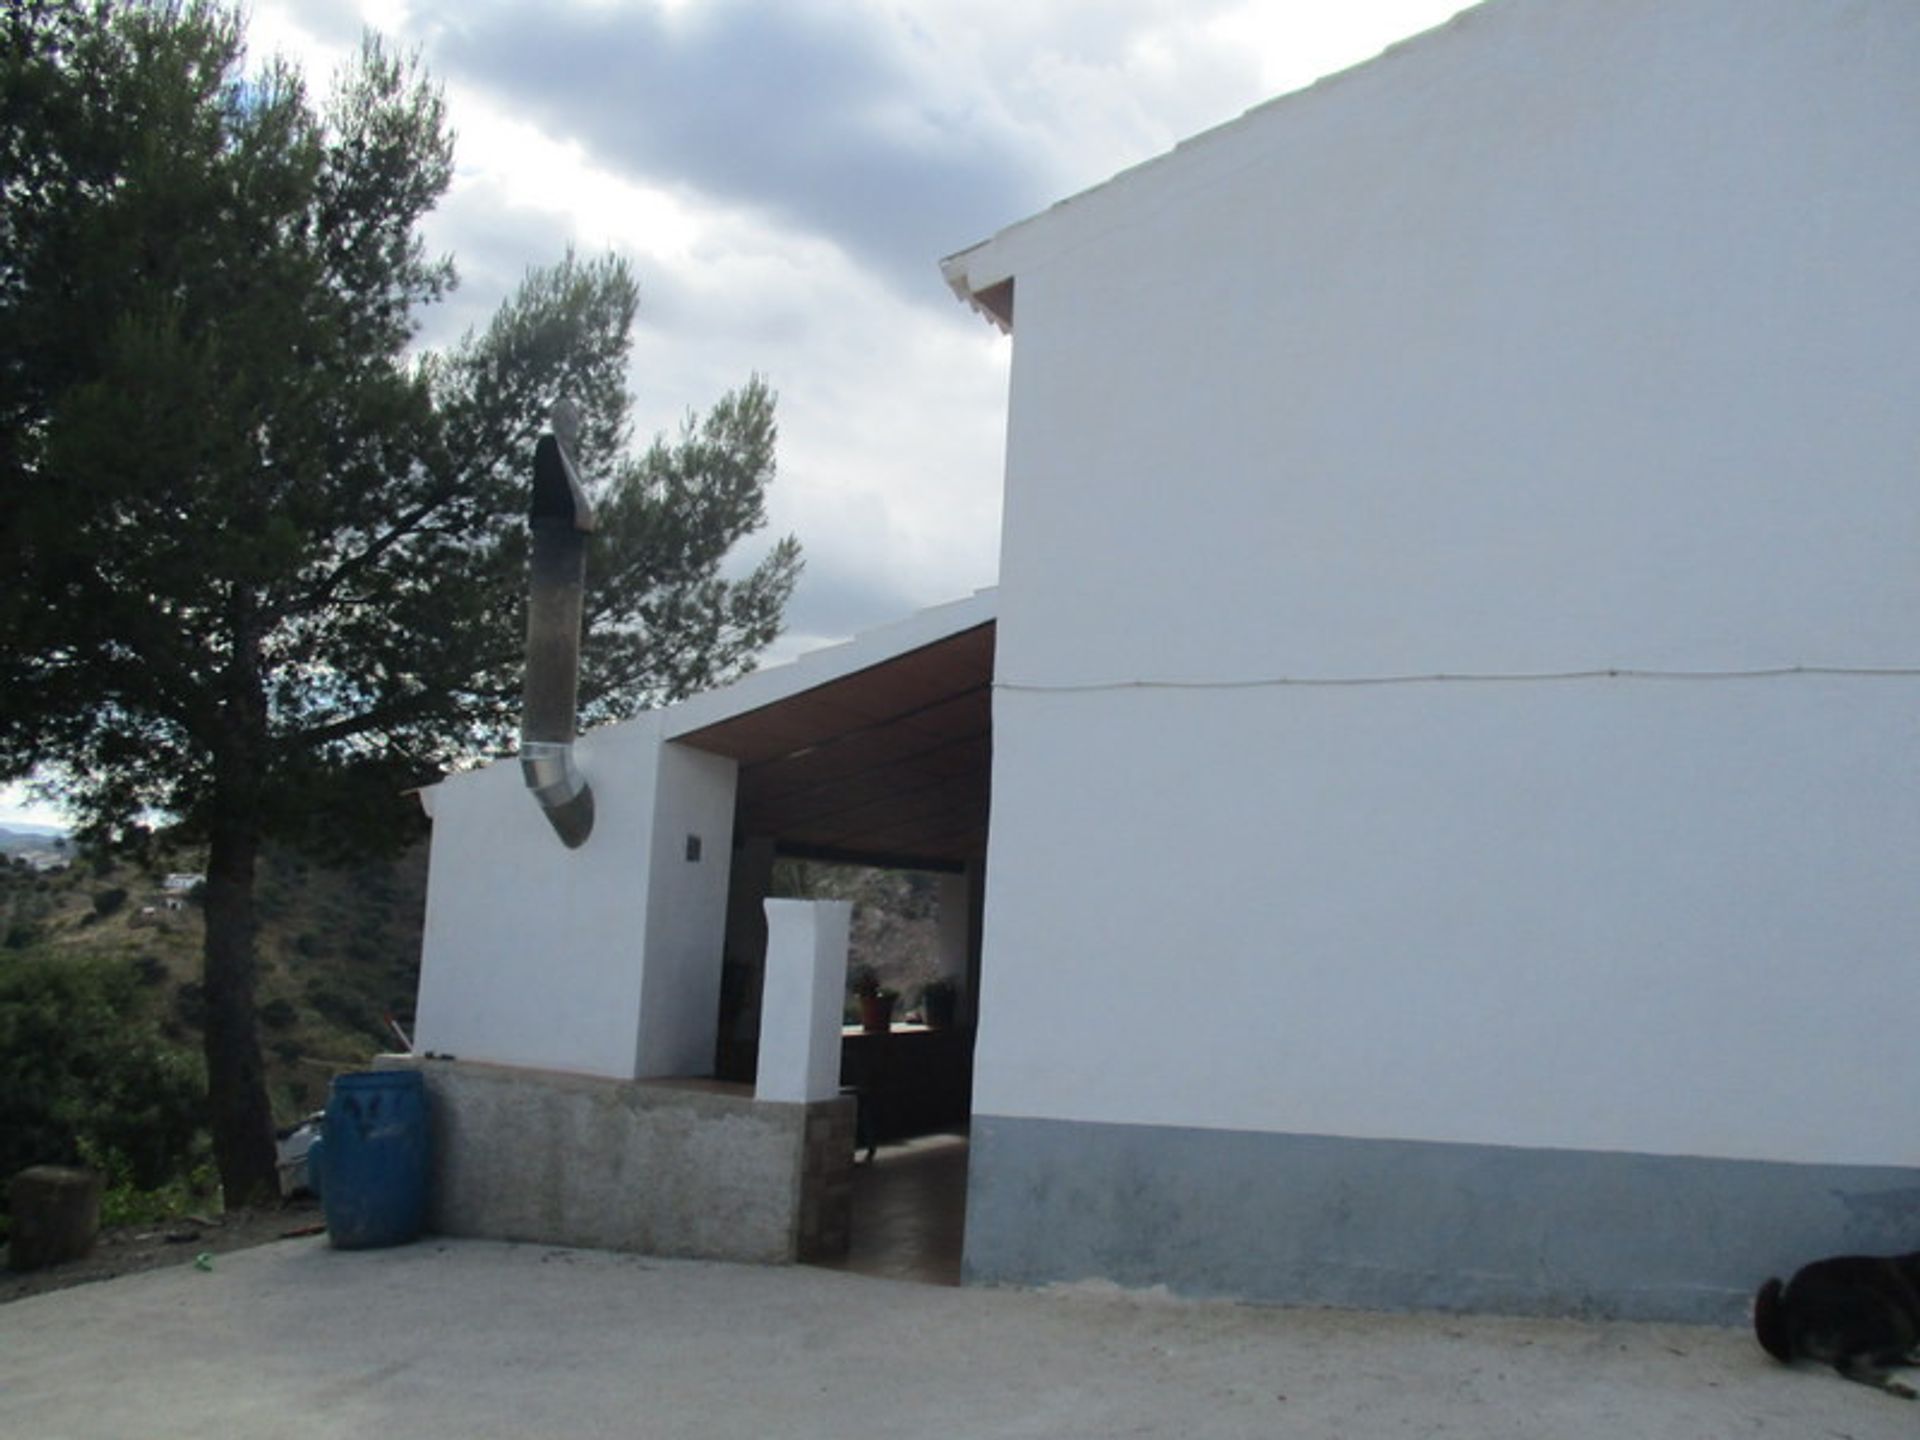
[(937, 1003), (875, 1000)]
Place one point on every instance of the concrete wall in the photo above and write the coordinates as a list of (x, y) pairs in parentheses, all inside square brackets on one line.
[(658, 1168), (542, 956), (1399, 1224), (1572, 338)]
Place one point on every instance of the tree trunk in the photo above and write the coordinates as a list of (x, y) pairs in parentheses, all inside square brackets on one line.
[(242, 1120), (240, 1114)]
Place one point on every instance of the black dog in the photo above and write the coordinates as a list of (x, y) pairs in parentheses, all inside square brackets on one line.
[(1857, 1313)]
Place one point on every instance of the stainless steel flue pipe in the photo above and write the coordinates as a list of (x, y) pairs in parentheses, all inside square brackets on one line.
[(559, 519)]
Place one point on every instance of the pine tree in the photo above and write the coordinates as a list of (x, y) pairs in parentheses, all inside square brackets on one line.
[(266, 565)]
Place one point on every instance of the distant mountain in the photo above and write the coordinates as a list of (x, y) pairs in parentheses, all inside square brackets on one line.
[(18, 835)]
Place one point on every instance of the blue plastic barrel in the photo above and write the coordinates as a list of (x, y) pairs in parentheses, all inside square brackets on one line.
[(374, 1160)]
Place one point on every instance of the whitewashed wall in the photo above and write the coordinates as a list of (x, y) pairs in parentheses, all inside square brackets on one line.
[(537, 955), (1576, 336), (686, 911)]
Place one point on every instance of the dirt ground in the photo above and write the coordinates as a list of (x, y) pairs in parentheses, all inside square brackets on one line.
[(131, 1249), (484, 1340)]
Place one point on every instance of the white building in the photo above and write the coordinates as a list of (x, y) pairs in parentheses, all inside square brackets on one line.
[(1454, 767)]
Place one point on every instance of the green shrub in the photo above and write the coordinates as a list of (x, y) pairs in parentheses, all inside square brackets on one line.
[(124, 1202), (85, 1076), (343, 1010)]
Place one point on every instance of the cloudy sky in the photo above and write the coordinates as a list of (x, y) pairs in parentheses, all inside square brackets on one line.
[(786, 175)]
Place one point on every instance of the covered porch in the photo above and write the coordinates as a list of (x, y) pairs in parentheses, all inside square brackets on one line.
[(611, 1007)]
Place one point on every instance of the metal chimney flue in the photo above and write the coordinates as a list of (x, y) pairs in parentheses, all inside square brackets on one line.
[(559, 519)]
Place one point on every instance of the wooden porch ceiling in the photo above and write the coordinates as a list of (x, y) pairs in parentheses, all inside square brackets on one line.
[(889, 764)]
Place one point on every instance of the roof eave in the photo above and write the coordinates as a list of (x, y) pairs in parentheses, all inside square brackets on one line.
[(976, 278)]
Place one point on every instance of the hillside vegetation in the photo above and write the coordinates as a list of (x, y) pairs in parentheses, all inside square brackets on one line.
[(101, 1001)]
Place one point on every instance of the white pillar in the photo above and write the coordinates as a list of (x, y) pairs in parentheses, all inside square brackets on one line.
[(802, 998)]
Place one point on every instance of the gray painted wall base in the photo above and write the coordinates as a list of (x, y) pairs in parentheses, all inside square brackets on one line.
[(1375, 1224), (677, 1168)]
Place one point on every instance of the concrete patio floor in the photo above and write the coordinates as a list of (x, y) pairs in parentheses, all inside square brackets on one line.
[(469, 1339), (909, 1212)]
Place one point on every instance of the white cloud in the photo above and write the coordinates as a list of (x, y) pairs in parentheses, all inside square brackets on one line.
[(1294, 44), (18, 806)]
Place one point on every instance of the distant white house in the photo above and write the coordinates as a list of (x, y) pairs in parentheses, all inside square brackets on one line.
[(182, 884), (1448, 709)]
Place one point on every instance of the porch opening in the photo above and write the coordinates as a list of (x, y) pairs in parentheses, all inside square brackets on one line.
[(874, 787)]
